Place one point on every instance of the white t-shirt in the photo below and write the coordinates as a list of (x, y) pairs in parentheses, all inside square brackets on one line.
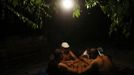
[(85, 53)]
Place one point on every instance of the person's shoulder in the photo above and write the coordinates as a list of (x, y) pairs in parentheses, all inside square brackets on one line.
[(105, 56)]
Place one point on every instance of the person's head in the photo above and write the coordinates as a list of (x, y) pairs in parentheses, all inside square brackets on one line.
[(93, 53), (65, 45), (100, 51)]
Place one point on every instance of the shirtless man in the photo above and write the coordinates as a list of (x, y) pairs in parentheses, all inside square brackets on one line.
[(101, 61)]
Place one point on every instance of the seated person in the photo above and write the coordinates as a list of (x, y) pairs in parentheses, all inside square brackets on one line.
[(62, 54), (67, 54), (101, 61)]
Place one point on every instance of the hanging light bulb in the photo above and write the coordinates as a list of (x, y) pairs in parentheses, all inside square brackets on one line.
[(67, 4)]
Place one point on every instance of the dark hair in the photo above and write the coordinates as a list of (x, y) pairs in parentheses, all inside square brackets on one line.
[(93, 53)]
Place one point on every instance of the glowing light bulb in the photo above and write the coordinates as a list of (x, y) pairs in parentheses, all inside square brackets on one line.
[(67, 4)]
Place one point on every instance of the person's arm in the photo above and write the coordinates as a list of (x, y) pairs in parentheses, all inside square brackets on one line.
[(73, 55), (86, 60), (67, 67)]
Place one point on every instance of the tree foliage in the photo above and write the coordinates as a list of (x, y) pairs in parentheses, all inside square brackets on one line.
[(118, 11), (31, 12)]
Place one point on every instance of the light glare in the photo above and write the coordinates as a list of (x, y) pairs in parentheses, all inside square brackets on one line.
[(67, 4)]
